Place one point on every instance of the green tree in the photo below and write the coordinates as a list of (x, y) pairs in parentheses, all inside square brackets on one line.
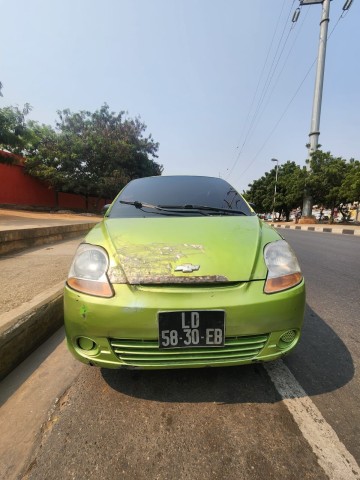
[(93, 153), (350, 187), (289, 189), (15, 135), (326, 180), (43, 160)]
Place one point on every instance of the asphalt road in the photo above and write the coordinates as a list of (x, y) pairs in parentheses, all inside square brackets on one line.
[(237, 423), (327, 361)]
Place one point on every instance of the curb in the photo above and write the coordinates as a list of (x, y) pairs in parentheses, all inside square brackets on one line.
[(314, 228), (15, 240), (26, 327)]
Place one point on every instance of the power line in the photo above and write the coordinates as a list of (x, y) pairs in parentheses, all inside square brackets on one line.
[(261, 107), (292, 99), (257, 87), (266, 85), (284, 65), (281, 117)]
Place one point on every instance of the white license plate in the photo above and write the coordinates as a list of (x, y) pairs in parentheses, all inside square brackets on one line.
[(188, 329)]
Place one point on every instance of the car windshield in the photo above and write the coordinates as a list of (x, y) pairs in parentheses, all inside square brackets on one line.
[(178, 196)]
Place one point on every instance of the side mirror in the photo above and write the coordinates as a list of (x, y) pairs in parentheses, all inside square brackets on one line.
[(105, 209)]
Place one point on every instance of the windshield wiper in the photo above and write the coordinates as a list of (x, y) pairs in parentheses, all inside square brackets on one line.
[(228, 211), (161, 208), (169, 208), (140, 205)]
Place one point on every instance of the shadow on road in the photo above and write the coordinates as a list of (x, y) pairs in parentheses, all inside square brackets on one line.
[(321, 363), (246, 384)]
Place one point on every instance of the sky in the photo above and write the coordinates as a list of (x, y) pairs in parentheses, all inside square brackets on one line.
[(224, 86)]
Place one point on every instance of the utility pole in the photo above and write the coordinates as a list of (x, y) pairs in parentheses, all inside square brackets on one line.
[(319, 82)]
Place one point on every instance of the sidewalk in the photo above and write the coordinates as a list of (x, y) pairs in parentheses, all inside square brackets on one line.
[(20, 229), (31, 298), (23, 219), (33, 276), (348, 229)]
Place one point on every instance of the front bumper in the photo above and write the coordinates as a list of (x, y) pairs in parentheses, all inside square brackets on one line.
[(122, 331)]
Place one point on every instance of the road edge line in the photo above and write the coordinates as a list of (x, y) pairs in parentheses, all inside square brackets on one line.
[(333, 457), (320, 229)]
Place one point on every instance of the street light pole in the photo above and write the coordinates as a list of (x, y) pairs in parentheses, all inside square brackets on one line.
[(276, 177), (319, 82)]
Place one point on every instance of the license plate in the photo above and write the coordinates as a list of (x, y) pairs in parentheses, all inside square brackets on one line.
[(201, 328)]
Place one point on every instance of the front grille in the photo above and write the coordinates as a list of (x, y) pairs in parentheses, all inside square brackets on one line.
[(147, 353)]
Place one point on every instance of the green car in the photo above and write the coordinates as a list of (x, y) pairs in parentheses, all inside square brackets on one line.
[(182, 273)]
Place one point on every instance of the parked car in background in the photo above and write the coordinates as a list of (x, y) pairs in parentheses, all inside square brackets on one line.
[(182, 273)]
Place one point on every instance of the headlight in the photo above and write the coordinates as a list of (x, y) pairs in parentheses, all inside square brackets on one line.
[(88, 271), (283, 268)]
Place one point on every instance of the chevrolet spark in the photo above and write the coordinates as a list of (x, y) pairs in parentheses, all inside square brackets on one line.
[(181, 273)]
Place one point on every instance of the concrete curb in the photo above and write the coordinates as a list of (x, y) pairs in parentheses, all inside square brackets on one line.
[(317, 228), (15, 240), (26, 327)]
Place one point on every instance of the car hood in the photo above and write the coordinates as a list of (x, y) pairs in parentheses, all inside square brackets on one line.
[(183, 249)]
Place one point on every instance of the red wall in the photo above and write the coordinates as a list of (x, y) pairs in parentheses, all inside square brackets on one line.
[(18, 188)]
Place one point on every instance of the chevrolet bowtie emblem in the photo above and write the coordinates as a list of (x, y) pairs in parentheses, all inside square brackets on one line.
[(187, 268)]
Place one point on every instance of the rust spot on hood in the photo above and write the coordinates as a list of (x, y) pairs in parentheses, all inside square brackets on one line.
[(179, 280), (155, 263)]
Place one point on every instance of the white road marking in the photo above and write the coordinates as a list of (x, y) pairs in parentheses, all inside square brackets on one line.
[(333, 457)]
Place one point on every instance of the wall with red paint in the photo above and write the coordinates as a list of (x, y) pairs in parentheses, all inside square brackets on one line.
[(19, 189)]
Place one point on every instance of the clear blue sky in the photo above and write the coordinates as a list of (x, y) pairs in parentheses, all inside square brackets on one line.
[(190, 69)]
